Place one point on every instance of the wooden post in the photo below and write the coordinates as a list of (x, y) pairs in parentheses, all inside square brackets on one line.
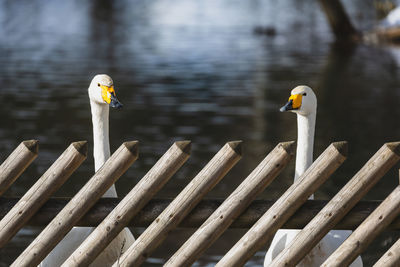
[(199, 214), (358, 241), (148, 186), (391, 258), (233, 206), (38, 194), (204, 181), (114, 167), (16, 163), (339, 205), (265, 228)]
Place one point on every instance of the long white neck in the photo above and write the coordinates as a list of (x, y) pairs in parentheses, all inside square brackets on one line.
[(305, 144), (101, 147)]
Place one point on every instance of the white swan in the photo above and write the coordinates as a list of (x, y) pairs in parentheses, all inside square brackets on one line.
[(101, 94), (303, 102)]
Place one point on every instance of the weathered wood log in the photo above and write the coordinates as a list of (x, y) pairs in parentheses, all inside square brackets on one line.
[(391, 258), (264, 229), (132, 203), (16, 163), (199, 214), (233, 206), (358, 241), (190, 196), (112, 169), (389, 34), (339, 205), (383, 35), (38, 194)]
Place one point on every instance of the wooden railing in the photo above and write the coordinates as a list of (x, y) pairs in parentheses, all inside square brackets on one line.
[(211, 218)]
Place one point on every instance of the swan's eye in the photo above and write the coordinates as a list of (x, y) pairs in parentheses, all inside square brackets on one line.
[(304, 94), (98, 85)]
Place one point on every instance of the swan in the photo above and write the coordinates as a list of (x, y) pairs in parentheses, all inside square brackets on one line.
[(101, 95), (303, 102)]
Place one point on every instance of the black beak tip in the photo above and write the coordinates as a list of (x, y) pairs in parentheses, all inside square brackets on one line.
[(287, 106), (115, 104)]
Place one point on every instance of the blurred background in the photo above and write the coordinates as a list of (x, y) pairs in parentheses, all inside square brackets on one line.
[(207, 71)]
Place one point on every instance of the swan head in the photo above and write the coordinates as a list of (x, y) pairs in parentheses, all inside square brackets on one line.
[(302, 101), (101, 91)]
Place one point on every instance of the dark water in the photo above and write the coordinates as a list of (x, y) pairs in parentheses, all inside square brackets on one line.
[(192, 70)]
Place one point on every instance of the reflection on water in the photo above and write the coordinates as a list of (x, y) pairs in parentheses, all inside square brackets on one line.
[(191, 70)]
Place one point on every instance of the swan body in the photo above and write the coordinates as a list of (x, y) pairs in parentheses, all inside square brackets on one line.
[(102, 95), (303, 102)]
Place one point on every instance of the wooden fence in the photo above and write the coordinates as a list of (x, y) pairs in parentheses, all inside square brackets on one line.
[(210, 217)]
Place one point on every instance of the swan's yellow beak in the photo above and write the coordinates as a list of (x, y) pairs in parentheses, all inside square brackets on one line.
[(108, 95), (293, 103), (296, 100)]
